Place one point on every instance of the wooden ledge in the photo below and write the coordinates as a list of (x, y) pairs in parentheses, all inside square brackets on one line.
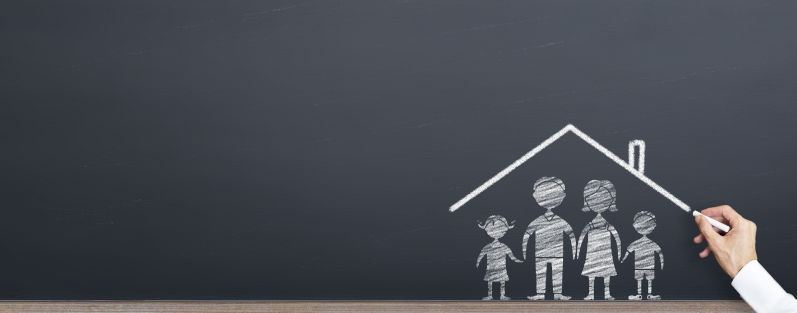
[(372, 306)]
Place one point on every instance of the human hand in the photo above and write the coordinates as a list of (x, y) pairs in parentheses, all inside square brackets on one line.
[(732, 250)]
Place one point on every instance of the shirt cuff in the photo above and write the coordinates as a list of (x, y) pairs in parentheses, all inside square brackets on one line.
[(757, 287)]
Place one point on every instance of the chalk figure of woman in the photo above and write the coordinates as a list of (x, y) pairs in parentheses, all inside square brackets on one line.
[(496, 253), (599, 197)]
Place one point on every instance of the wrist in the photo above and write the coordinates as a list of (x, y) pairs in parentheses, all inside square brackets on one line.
[(741, 264)]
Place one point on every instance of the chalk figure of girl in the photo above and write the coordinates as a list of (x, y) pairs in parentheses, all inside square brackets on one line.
[(599, 196), (496, 252)]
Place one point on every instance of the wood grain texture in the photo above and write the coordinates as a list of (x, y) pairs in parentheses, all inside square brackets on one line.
[(371, 306)]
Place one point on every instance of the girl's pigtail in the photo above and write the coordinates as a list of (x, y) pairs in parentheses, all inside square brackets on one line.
[(480, 224)]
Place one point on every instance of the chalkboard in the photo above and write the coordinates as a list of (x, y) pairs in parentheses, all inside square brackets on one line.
[(315, 149)]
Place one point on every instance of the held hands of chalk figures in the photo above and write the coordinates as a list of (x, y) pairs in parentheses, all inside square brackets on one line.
[(597, 236), (732, 250), (551, 233)]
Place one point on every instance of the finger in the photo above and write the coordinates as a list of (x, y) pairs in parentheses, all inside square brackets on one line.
[(719, 218), (699, 238), (727, 213), (705, 253), (715, 214), (708, 232), (714, 211)]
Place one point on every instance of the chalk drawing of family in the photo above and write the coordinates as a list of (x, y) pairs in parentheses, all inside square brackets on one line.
[(551, 232)]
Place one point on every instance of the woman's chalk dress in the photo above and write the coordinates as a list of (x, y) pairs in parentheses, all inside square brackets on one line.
[(599, 261)]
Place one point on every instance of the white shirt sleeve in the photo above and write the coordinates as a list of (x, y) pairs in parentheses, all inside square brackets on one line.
[(761, 291)]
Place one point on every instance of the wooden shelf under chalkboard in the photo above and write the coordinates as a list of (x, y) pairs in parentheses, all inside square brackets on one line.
[(373, 306)]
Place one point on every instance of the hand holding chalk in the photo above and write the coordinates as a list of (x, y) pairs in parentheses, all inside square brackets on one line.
[(734, 249), (713, 222)]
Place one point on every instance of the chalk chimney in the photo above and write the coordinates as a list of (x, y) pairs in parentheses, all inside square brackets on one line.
[(636, 163)]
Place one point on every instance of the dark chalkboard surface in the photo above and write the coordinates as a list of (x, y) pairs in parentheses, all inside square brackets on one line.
[(312, 149)]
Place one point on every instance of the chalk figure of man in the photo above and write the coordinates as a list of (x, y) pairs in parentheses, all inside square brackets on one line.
[(549, 230)]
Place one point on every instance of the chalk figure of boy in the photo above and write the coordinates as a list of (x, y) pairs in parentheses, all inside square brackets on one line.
[(496, 253), (644, 252), (549, 230)]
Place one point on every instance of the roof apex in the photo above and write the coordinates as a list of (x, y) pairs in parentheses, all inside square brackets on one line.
[(569, 128)]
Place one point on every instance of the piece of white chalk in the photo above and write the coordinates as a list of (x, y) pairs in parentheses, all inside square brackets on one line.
[(713, 222)]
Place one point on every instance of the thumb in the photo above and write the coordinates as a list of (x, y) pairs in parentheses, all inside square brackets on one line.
[(707, 230)]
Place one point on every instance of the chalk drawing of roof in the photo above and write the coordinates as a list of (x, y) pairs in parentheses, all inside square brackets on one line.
[(638, 172)]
